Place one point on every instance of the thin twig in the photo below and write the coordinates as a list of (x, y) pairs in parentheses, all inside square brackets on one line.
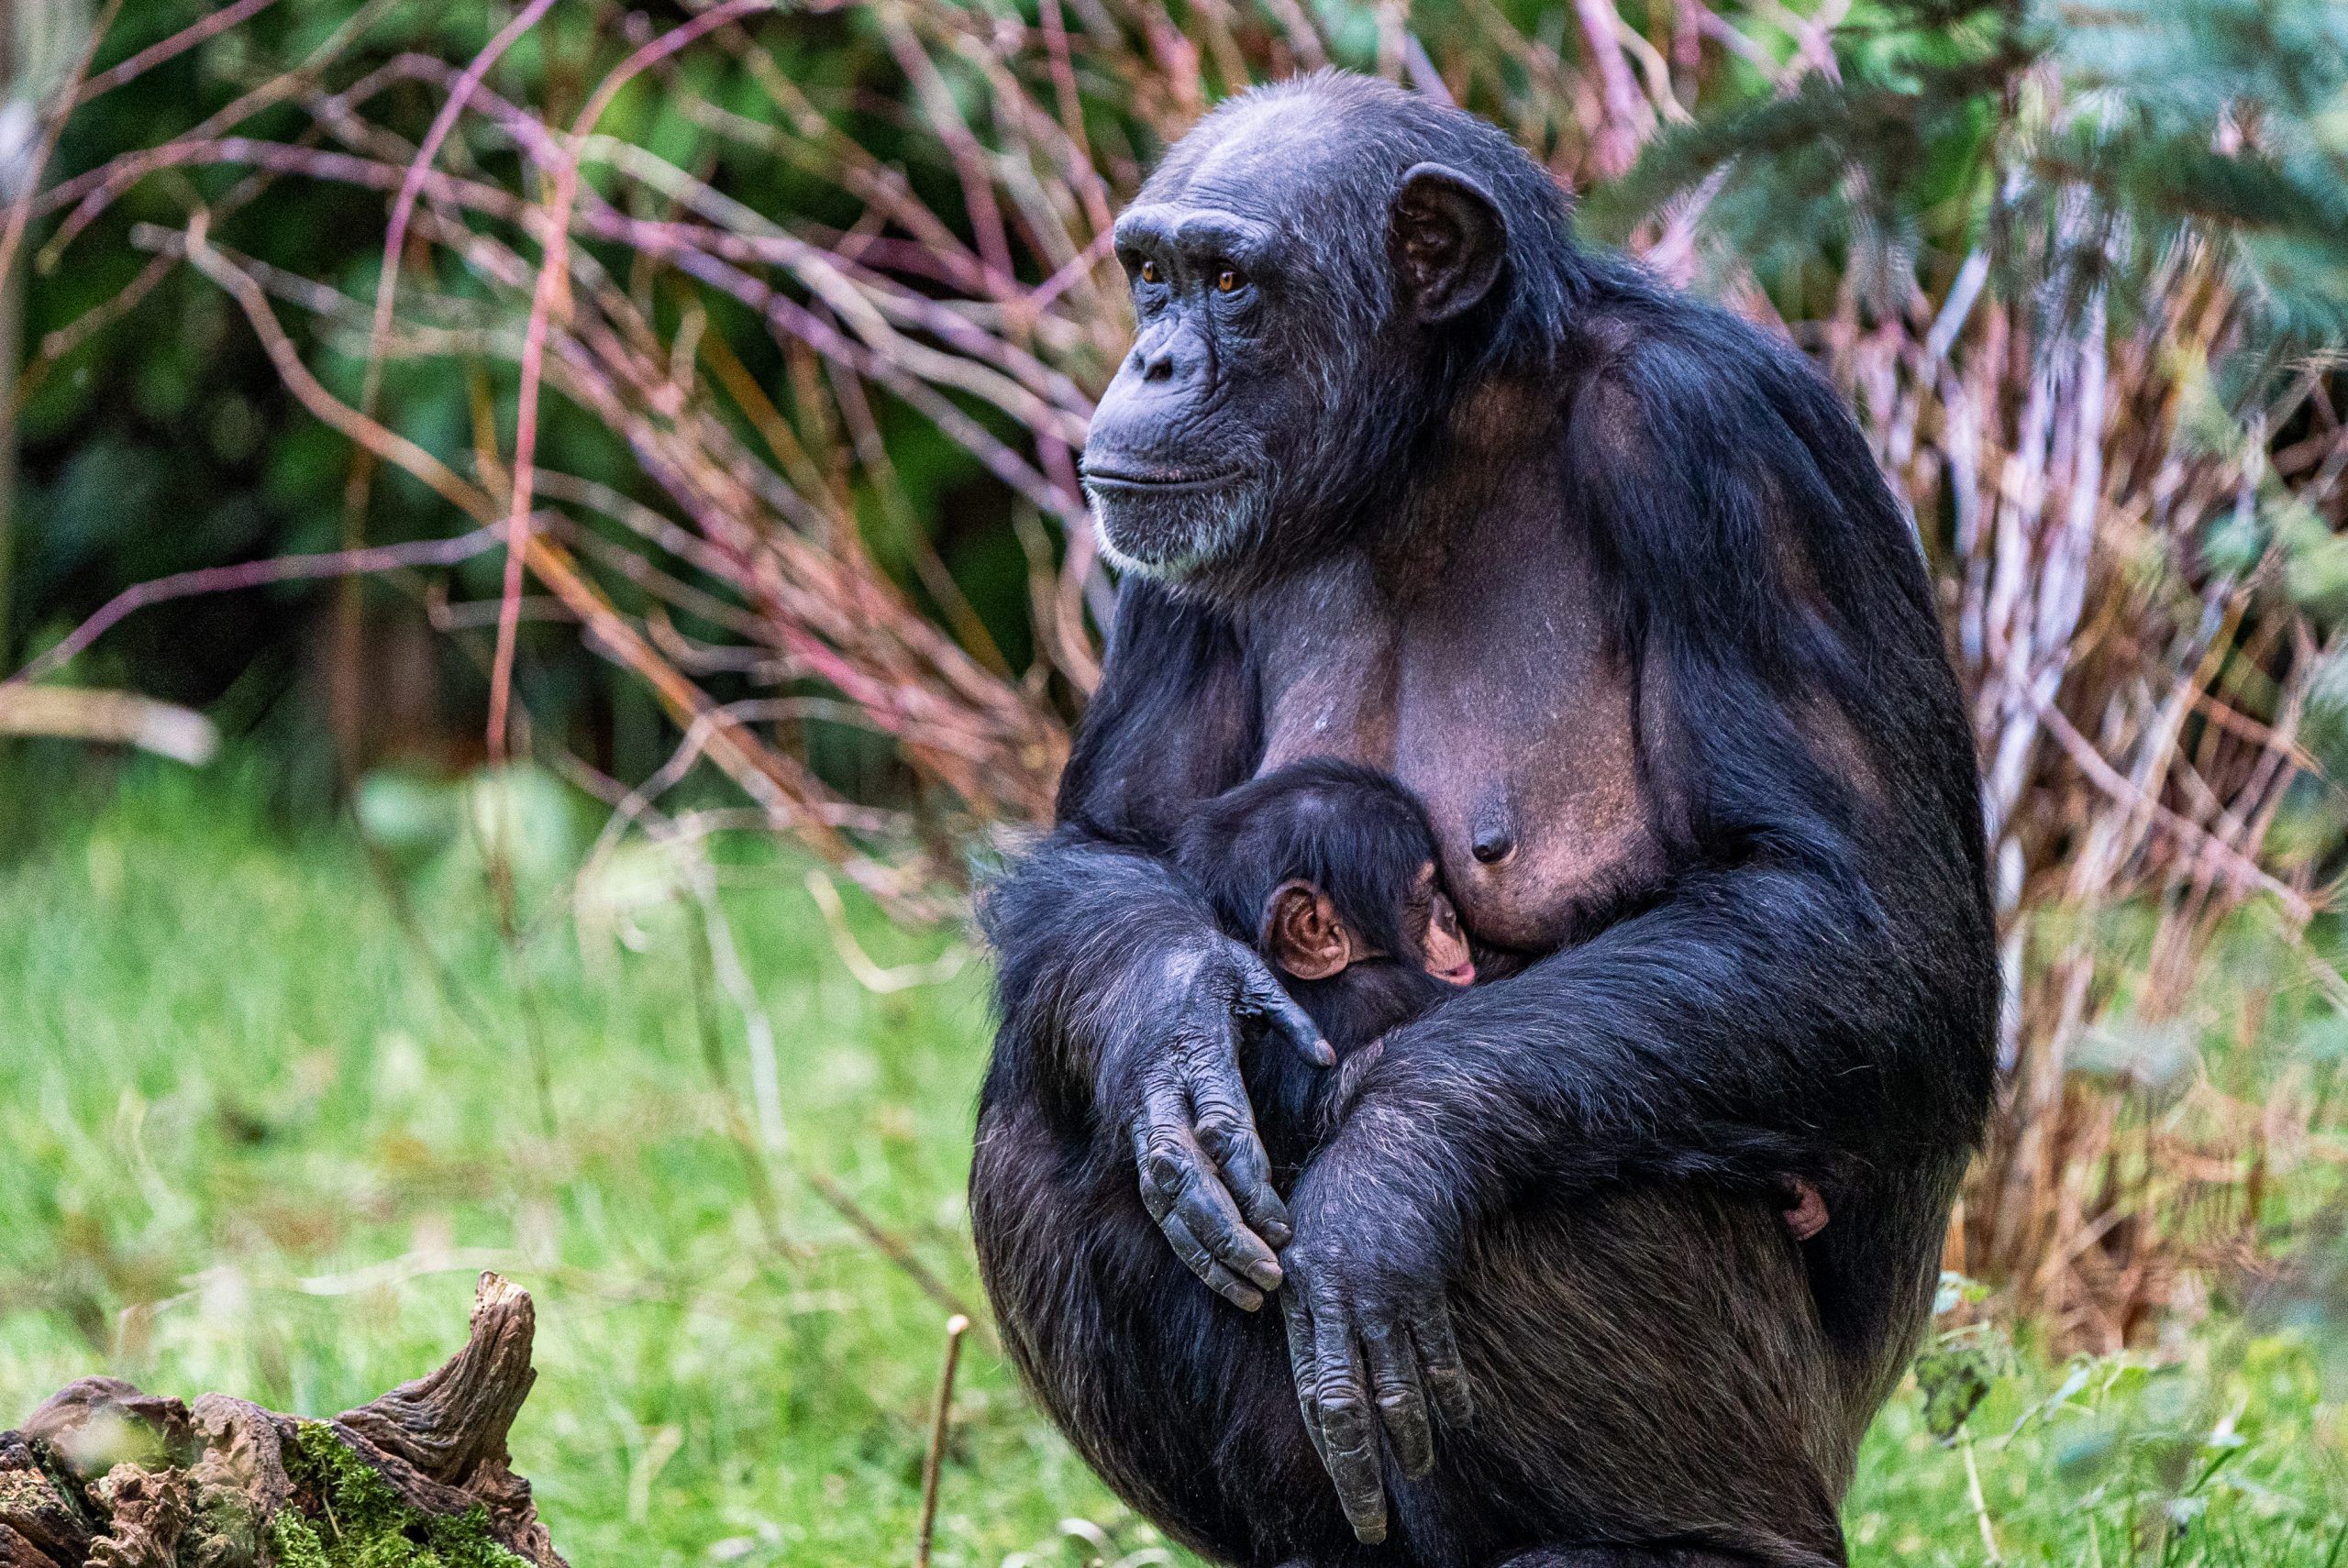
[(179, 43), (940, 1418), (1981, 1503), (253, 574), (893, 1247)]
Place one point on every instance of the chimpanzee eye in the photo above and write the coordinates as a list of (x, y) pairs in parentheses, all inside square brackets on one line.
[(1149, 272), (1228, 282)]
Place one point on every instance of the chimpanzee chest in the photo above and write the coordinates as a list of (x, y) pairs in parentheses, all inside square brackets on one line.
[(1496, 698)]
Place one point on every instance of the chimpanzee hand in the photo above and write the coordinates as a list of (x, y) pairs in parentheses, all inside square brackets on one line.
[(1204, 1176), (1369, 1343)]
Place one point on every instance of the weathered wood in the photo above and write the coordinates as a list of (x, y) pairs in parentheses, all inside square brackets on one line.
[(104, 1475)]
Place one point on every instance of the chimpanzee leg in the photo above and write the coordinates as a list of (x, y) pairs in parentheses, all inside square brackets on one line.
[(1182, 1401), (1647, 1368)]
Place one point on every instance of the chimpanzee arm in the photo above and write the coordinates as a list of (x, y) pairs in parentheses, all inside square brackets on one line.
[(1810, 991), (1762, 1022), (1120, 1002)]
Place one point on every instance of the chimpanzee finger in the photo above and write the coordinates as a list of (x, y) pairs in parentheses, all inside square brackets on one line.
[(1178, 1182), (1219, 1279), (1299, 1318), (1226, 1130), (1439, 1366), (1262, 997), (1207, 1209), (1402, 1404), (1164, 1152), (1172, 1172), (1348, 1431)]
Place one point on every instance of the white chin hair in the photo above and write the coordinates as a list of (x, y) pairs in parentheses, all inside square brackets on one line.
[(1115, 557), (1213, 527)]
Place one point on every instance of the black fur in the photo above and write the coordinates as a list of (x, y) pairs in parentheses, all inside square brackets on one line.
[(1581, 1156)]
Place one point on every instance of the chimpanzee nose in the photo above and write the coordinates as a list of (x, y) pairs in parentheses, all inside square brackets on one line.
[(1168, 355), (1174, 362), (1147, 426)]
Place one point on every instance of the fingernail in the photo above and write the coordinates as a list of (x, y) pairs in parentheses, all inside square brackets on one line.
[(1324, 1053), (1278, 1235)]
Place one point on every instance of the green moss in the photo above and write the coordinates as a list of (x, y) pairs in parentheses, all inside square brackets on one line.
[(362, 1523)]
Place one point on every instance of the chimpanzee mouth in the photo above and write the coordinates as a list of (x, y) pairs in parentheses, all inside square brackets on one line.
[(1172, 483), (1460, 973)]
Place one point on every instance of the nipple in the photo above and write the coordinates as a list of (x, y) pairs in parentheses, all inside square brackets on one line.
[(1492, 838)]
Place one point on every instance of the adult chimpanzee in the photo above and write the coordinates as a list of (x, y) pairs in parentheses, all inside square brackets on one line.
[(1609, 581), (1329, 869)]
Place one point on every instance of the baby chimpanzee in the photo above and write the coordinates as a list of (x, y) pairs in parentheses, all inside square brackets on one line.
[(1328, 869)]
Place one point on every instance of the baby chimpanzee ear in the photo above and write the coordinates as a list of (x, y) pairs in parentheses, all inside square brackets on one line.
[(1301, 934)]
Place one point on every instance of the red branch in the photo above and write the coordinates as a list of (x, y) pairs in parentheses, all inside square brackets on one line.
[(255, 574)]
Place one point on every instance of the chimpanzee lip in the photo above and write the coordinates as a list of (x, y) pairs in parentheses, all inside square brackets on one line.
[(1160, 483)]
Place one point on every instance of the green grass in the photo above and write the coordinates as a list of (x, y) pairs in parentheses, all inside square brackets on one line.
[(258, 1130)]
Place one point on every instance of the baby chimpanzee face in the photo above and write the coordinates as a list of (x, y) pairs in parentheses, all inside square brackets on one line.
[(1306, 934), (1329, 866)]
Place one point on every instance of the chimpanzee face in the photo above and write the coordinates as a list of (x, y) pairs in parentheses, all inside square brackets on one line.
[(1442, 945), (1178, 464), (1289, 292)]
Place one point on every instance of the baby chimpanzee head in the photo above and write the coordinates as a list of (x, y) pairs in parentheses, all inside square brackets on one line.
[(1328, 869)]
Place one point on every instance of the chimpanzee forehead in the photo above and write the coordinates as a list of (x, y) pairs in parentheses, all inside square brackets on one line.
[(1271, 158)]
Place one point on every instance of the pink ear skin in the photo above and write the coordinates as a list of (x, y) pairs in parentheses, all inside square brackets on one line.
[(1806, 1215), (1300, 932)]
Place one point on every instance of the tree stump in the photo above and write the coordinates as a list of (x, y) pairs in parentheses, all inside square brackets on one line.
[(105, 1476)]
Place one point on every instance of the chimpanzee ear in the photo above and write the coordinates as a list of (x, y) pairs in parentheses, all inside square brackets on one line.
[(1447, 240), (1301, 934)]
